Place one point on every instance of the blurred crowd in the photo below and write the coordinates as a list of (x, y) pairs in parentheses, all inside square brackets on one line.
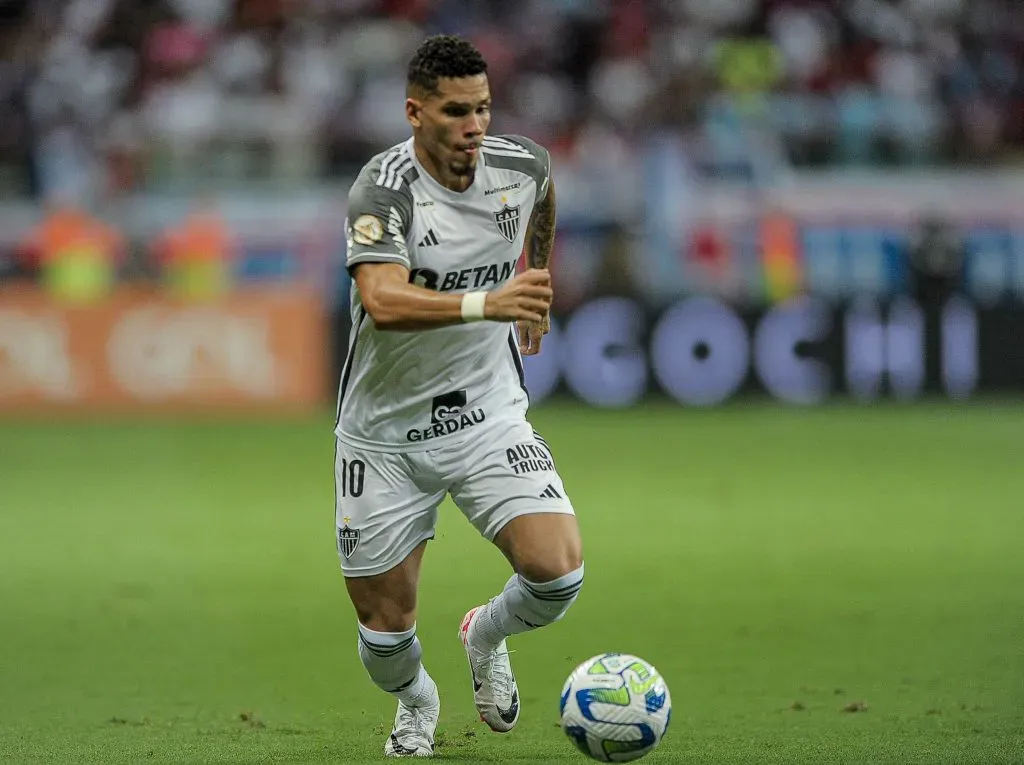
[(118, 95)]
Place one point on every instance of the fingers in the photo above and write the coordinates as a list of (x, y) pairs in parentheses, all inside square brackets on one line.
[(529, 337), (531, 334), (529, 298), (535, 276), (526, 315), (540, 307), (538, 292), (535, 335)]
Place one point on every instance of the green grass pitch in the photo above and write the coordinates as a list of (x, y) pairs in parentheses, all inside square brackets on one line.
[(843, 584)]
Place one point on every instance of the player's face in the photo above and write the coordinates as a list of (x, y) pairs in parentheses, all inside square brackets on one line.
[(451, 123)]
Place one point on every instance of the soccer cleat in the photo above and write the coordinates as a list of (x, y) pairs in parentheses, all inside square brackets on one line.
[(413, 734), (494, 686)]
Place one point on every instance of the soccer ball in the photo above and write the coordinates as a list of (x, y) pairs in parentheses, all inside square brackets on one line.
[(615, 707)]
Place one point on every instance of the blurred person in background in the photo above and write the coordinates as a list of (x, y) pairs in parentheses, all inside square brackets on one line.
[(937, 254), (936, 260), (432, 398)]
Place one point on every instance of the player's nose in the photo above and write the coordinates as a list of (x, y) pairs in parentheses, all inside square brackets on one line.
[(475, 126)]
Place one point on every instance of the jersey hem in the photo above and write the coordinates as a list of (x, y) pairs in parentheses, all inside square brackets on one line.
[(423, 446)]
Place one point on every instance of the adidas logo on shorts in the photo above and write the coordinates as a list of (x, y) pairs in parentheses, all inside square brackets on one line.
[(550, 493)]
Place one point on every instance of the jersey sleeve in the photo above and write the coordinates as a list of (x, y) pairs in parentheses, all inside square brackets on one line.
[(540, 166), (378, 221)]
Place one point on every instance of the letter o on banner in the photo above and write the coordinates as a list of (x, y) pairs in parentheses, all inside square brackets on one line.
[(605, 363), (700, 352)]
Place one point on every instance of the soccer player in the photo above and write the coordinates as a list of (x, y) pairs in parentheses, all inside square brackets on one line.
[(432, 400)]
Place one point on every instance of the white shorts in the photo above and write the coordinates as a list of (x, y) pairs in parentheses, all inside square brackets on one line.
[(386, 503)]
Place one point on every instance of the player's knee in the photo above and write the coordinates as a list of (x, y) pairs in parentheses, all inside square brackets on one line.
[(548, 601), (548, 571), (382, 605), (385, 614), (388, 620), (554, 562)]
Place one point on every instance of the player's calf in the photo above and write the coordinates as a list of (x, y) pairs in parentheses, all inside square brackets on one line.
[(393, 661), (524, 605)]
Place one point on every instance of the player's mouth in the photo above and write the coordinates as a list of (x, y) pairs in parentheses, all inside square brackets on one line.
[(469, 149)]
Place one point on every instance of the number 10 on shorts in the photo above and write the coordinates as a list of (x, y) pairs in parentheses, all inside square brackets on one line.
[(351, 477)]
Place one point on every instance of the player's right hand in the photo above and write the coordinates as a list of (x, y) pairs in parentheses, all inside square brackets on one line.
[(527, 297)]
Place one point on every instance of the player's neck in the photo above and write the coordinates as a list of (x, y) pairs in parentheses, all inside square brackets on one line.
[(440, 173)]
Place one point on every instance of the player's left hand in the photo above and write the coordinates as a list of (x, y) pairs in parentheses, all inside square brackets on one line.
[(531, 333)]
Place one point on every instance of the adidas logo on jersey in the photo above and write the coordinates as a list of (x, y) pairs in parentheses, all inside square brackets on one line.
[(429, 240)]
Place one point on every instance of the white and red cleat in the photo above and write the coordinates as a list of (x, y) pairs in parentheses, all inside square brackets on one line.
[(494, 686)]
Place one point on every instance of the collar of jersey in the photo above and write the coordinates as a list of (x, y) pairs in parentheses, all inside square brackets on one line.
[(430, 180)]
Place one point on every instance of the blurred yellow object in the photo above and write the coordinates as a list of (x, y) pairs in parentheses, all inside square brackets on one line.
[(196, 257), (196, 279), (79, 274), (748, 65), (76, 253)]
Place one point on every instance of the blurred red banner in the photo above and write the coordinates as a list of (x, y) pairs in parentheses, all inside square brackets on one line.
[(137, 349)]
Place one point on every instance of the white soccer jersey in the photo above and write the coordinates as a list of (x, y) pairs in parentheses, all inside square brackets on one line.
[(409, 391)]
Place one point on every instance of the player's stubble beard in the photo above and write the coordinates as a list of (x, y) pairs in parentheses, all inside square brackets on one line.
[(461, 174), (458, 175), (460, 170)]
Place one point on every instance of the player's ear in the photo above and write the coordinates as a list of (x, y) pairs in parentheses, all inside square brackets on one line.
[(413, 108)]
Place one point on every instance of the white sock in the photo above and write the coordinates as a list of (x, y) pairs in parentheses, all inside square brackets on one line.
[(394, 662), (523, 606)]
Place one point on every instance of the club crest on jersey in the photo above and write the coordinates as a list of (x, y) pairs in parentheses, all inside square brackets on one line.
[(507, 219), (348, 539)]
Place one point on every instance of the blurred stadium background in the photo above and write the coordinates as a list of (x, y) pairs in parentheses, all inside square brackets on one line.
[(841, 178), (787, 365)]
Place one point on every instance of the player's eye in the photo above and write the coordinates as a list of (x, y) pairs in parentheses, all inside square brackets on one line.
[(456, 111)]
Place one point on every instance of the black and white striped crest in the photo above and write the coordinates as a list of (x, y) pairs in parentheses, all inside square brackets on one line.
[(348, 540), (507, 219)]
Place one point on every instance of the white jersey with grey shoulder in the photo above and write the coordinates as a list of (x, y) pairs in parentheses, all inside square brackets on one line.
[(410, 391)]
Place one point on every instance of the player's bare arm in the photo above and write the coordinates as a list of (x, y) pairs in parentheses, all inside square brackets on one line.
[(540, 241), (395, 304), (540, 237)]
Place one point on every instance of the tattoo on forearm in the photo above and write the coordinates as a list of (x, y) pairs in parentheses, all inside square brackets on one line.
[(542, 231)]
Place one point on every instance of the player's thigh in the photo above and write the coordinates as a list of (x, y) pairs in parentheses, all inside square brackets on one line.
[(383, 510), (514, 475)]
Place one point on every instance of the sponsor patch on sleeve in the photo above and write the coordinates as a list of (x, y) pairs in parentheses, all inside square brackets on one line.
[(367, 230)]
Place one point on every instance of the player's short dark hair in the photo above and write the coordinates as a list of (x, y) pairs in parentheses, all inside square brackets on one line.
[(443, 56)]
